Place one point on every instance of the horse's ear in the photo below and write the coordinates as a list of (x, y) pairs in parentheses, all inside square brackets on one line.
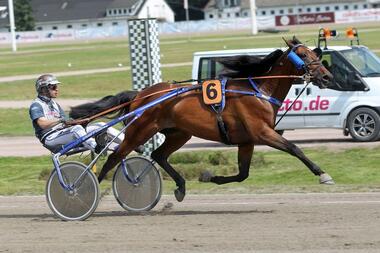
[(318, 52), (296, 41), (288, 42)]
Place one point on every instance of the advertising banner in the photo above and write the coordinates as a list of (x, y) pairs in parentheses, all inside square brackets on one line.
[(265, 22), (5, 38), (367, 15), (303, 19), (28, 36), (57, 35)]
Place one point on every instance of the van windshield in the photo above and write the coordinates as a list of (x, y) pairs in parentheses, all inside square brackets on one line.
[(363, 60)]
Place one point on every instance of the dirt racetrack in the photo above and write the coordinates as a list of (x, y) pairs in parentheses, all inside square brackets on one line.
[(348, 222)]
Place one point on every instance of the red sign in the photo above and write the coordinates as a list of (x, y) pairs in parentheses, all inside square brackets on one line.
[(303, 19)]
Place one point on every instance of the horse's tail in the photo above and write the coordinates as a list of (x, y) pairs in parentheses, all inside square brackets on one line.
[(92, 108)]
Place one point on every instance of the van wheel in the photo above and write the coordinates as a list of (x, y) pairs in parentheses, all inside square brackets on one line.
[(364, 124)]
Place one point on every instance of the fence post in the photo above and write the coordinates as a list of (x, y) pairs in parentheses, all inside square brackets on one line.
[(145, 62)]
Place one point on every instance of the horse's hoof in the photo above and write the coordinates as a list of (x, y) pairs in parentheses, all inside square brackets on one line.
[(205, 176), (179, 195), (326, 179)]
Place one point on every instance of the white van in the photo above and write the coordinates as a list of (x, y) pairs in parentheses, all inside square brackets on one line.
[(352, 104)]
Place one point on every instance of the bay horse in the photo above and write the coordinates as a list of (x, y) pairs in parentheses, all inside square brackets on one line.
[(249, 120)]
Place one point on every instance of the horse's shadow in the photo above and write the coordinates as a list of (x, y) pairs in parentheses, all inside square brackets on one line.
[(52, 218), (314, 140), (179, 213)]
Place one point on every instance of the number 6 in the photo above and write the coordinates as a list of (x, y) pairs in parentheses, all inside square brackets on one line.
[(212, 92)]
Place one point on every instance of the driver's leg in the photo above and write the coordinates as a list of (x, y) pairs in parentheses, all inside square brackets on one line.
[(111, 132), (58, 139)]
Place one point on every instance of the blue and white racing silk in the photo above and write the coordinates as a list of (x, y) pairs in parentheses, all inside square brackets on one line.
[(56, 137), (44, 107)]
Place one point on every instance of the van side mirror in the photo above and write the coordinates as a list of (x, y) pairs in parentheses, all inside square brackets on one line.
[(318, 52), (357, 82)]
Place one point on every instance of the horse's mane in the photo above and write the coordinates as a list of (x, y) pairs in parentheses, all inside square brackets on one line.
[(92, 108), (247, 65)]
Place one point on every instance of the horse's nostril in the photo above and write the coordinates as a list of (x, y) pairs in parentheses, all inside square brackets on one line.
[(326, 78)]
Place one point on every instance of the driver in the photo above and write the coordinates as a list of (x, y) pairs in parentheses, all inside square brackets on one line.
[(49, 120)]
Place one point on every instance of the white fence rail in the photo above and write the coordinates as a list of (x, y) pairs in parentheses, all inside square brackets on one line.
[(202, 26)]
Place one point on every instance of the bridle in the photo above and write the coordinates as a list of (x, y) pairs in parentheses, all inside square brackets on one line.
[(302, 63)]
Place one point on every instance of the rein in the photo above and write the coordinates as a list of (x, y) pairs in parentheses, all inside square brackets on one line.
[(287, 110), (292, 56), (100, 114)]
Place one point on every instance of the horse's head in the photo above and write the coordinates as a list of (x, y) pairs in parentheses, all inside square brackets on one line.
[(307, 60)]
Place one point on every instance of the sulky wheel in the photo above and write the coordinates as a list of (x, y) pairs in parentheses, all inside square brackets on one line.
[(79, 203), (140, 189)]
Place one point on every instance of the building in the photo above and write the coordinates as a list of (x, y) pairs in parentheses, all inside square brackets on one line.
[(226, 9), (82, 14)]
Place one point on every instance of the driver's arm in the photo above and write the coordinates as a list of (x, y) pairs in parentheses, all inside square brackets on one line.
[(45, 123)]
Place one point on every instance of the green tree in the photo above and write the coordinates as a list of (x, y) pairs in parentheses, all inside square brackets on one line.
[(23, 15)]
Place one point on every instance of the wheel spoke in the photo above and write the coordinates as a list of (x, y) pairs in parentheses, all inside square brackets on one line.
[(370, 122), (370, 130), (359, 119), (365, 117), (83, 203)]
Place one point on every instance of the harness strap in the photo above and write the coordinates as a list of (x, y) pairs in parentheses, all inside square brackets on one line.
[(254, 85), (187, 81), (218, 108), (259, 94), (223, 130)]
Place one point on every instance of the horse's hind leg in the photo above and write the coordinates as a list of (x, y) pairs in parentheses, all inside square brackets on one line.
[(111, 162), (244, 159), (271, 138), (133, 138), (173, 141)]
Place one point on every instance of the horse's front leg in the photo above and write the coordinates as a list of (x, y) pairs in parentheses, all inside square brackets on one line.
[(244, 159), (273, 139)]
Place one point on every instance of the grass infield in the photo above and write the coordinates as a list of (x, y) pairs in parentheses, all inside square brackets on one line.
[(353, 170)]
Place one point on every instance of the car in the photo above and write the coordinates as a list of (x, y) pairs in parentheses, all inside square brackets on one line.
[(351, 103)]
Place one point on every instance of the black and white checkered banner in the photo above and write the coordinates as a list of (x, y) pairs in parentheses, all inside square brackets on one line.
[(145, 62)]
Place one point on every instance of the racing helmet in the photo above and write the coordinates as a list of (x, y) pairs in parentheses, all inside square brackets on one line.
[(44, 81)]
